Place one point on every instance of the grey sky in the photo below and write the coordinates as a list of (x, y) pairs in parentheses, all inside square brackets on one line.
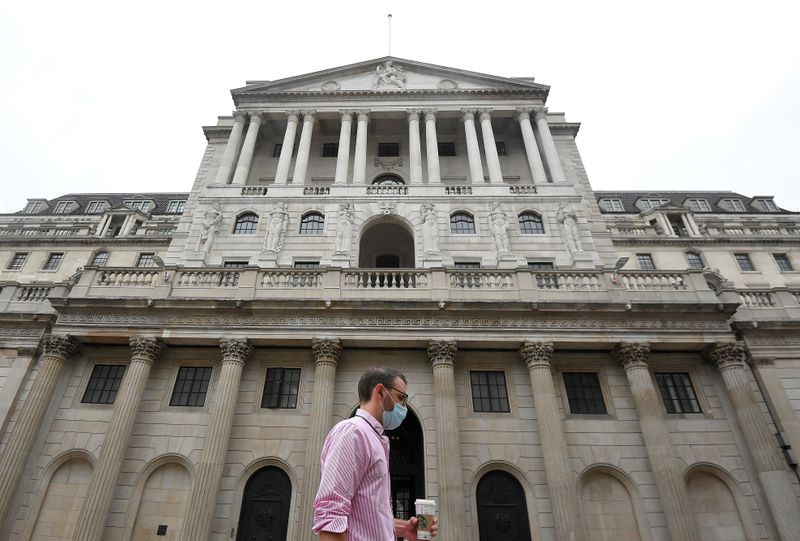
[(97, 96)]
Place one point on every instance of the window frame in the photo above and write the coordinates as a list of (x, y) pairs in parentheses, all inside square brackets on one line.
[(176, 206), (239, 227), (143, 255), (744, 256), (603, 398), (95, 207), (387, 150), (32, 207), (10, 266), (778, 256), (521, 220), (62, 207), (137, 204), (736, 205), (306, 221), (330, 150), (47, 266), (611, 204), (88, 382), (454, 229), (276, 150), (473, 398), (696, 204), (545, 265), (647, 203), (281, 383), (234, 264), (646, 256), (93, 261), (174, 385), (699, 257), (446, 145), (306, 264), (703, 409)]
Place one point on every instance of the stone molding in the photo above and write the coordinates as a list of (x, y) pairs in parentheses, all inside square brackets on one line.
[(537, 354), (326, 350), (235, 350), (62, 346), (20, 331), (727, 355), (442, 352), (146, 349), (632, 354)]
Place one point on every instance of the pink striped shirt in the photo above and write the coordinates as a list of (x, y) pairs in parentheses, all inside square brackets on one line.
[(354, 493)]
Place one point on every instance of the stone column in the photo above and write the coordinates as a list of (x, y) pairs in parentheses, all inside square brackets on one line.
[(285, 159), (560, 478), (303, 149), (432, 147), (531, 148), (490, 147), (548, 145), (343, 155), (442, 355), (327, 352), (248, 148), (360, 159), (92, 519), (773, 473), (57, 349), (667, 470), (203, 495), (414, 147), (473, 150), (224, 172)]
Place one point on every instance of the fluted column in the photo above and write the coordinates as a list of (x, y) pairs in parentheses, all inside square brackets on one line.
[(343, 156), (667, 470), (303, 149), (772, 470), (548, 145), (442, 355), (248, 148), (490, 147), (414, 148), (473, 150), (560, 478), (531, 148), (285, 159), (225, 167), (57, 349), (360, 158), (92, 518), (432, 147), (203, 494)]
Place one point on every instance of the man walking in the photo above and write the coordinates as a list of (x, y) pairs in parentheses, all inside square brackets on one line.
[(354, 500)]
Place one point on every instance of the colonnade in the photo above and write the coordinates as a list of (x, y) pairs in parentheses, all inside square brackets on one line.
[(561, 478), (240, 168)]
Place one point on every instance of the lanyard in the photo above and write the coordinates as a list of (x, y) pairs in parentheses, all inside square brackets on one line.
[(370, 425)]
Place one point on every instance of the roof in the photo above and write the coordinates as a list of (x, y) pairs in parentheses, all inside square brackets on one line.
[(629, 199), (161, 200)]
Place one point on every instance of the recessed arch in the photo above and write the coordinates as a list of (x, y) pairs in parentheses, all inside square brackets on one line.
[(608, 499), (715, 492), (383, 237), (266, 505), (388, 179), (513, 470), (501, 506), (247, 474)]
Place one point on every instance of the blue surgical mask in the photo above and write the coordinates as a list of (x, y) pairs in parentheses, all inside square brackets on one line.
[(393, 418)]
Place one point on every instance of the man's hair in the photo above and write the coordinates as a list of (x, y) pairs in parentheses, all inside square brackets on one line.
[(375, 375)]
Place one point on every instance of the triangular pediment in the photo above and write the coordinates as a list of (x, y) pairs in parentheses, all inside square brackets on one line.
[(391, 74)]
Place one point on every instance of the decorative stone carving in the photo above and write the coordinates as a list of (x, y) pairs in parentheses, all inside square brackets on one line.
[(344, 229), (523, 112), (569, 227), (346, 115), (331, 86), (308, 115), (293, 115), (430, 228), (235, 349), (430, 114), (387, 207), (447, 84), (326, 350), (239, 116), (540, 113), (363, 115), (468, 114), (485, 113), (388, 74), (727, 355), (26, 351), (387, 164), (632, 354), (276, 228), (146, 348), (212, 219), (442, 352), (413, 114), (60, 345), (536, 354), (499, 223)]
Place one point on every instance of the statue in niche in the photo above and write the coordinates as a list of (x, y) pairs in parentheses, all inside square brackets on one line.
[(212, 219), (430, 228), (390, 75), (344, 229), (276, 228), (499, 223), (569, 224)]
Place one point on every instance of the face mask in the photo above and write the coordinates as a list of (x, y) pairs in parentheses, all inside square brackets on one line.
[(394, 418)]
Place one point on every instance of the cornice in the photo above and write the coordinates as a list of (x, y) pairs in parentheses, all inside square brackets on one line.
[(691, 241), (565, 128), (99, 241)]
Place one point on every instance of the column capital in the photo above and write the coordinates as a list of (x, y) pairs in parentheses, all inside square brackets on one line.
[(146, 348), (256, 116), (62, 346), (413, 114), (326, 350), (540, 113), (430, 114), (468, 114), (363, 115), (346, 115), (442, 352), (727, 355), (293, 115), (240, 116), (309, 114), (485, 113), (632, 354), (235, 349), (537, 354), (523, 112)]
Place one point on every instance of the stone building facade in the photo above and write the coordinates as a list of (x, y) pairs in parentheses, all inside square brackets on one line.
[(581, 365)]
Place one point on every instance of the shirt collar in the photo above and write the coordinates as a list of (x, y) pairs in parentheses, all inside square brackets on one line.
[(378, 427)]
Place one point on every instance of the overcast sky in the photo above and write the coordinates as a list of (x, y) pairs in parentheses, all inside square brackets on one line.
[(106, 96)]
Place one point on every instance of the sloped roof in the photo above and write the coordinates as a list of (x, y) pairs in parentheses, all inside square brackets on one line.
[(161, 200), (629, 198)]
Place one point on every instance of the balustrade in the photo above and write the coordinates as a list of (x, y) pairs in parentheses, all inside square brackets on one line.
[(757, 299), (254, 190), (33, 293), (386, 279), (287, 279), (208, 278), (481, 280), (387, 189), (458, 190), (127, 277), (654, 281), (522, 190), (568, 281), (317, 190)]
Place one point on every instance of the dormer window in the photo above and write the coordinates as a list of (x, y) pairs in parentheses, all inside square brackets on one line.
[(733, 205), (651, 203), (63, 207), (767, 205), (698, 205), (611, 205), (137, 204), (95, 207), (176, 207), (33, 207)]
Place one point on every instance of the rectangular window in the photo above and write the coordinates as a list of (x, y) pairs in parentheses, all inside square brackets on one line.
[(330, 150), (783, 262), (695, 261), (584, 393), (306, 264), (645, 261), (447, 149), (146, 260), (62, 207), (541, 265), (234, 264), (744, 262), (103, 384), (138, 204), (489, 392), (648, 204), (176, 207), (100, 259), (769, 205), (53, 261), (191, 386), (276, 150), (32, 208), (735, 205), (388, 150), (698, 205), (17, 261), (281, 388), (677, 392), (501, 148), (95, 207), (466, 265), (611, 205)]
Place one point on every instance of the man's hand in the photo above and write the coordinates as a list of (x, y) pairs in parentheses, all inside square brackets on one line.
[(408, 528)]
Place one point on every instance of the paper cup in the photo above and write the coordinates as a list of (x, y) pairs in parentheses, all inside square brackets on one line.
[(426, 511)]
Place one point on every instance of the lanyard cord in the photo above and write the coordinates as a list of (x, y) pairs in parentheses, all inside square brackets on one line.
[(370, 425)]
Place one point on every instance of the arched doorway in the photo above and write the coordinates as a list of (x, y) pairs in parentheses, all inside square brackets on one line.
[(388, 180), (386, 244), (265, 506), (502, 511)]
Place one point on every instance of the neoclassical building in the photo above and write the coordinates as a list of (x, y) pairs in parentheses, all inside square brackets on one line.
[(581, 365)]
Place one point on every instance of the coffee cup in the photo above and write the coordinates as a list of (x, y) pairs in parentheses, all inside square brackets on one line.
[(426, 511)]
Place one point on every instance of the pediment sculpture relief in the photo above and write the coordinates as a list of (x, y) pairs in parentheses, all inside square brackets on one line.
[(389, 74)]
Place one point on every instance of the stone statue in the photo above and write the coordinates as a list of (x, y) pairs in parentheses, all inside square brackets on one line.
[(344, 229), (500, 228), (569, 223), (430, 228), (211, 222), (390, 75), (276, 228)]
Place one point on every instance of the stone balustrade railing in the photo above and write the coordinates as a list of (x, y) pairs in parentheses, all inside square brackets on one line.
[(475, 279), (317, 190), (289, 279), (254, 190), (32, 293), (387, 189), (569, 280), (386, 279), (127, 277), (653, 280), (207, 278), (757, 299), (458, 190), (522, 190)]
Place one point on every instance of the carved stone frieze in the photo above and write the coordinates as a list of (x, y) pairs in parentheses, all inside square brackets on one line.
[(727, 355), (26, 351), (330, 86), (20, 331), (537, 354), (235, 349), (632, 354), (146, 348), (447, 84), (387, 207), (387, 164), (442, 352), (60, 345), (326, 350)]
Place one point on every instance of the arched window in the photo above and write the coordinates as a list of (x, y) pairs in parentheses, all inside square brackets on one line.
[(388, 180), (462, 223), (100, 259), (531, 223), (246, 224), (312, 224), (695, 260)]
